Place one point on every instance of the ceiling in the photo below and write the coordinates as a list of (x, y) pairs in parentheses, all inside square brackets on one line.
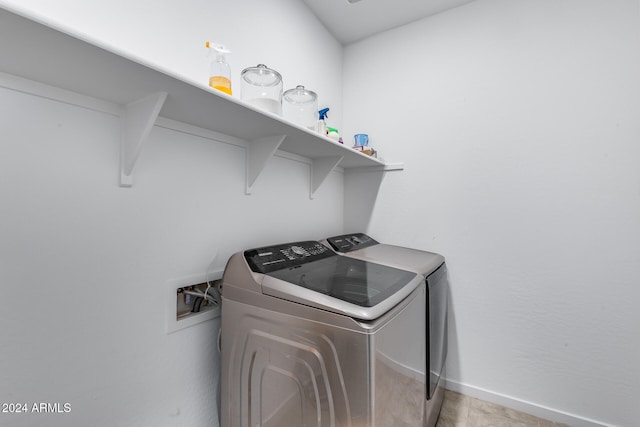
[(352, 20)]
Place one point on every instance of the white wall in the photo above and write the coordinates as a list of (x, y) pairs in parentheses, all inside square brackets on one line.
[(519, 126), (84, 264)]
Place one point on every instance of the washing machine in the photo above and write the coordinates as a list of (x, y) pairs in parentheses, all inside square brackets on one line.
[(313, 338), (433, 268)]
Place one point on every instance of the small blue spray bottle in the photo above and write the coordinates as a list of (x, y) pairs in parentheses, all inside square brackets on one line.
[(322, 124)]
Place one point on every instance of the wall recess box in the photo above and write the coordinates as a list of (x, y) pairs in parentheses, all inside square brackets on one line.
[(175, 323)]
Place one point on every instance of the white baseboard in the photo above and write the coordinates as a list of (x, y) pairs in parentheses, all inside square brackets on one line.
[(523, 406)]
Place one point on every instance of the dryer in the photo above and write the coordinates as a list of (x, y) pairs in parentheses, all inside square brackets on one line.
[(433, 268), (312, 338)]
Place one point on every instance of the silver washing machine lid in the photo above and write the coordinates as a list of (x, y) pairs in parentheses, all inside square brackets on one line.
[(311, 274)]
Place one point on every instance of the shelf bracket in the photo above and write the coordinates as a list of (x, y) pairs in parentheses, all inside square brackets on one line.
[(259, 151), (136, 122), (320, 171)]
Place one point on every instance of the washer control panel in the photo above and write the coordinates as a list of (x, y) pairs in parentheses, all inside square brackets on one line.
[(289, 255), (351, 242)]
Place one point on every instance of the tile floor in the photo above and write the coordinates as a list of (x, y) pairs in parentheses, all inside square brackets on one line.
[(463, 411)]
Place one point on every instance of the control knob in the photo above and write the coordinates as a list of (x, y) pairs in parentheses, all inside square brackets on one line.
[(298, 250)]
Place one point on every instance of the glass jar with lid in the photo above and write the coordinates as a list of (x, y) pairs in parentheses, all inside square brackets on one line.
[(262, 87), (300, 106)]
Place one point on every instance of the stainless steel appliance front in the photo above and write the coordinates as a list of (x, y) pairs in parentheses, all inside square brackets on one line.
[(432, 266), (287, 363)]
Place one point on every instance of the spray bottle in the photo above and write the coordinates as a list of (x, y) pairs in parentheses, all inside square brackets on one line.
[(322, 121), (220, 74)]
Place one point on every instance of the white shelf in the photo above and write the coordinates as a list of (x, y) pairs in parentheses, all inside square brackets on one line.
[(38, 52)]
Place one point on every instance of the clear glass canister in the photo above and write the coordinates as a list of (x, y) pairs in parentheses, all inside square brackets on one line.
[(262, 87), (300, 106)]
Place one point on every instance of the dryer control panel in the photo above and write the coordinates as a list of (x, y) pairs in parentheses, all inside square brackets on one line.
[(351, 242), (290, 255)]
